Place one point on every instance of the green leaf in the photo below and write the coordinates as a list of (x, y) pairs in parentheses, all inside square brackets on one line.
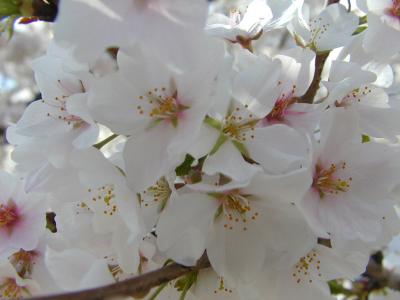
[(184, 168)]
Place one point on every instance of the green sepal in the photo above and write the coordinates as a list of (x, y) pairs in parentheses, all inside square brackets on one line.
[(241, 147), (360, 29), (213, 123), (184, 284), (220, 141), (363, 20)]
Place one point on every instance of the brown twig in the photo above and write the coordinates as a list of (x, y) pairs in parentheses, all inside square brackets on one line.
[(320, 59), (308, 97), (136, 286)]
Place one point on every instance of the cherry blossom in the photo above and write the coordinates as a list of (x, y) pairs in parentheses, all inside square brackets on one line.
[(22, 216), (332, 28), (341, 200)]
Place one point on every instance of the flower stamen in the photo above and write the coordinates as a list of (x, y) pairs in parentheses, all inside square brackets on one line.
[(9, 215), (162, 106), (326, 180)]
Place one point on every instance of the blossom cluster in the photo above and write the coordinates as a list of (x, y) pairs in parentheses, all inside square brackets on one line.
[(282, 165)]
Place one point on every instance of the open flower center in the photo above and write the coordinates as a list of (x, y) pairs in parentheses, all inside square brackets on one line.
[(239, 127), (355, 96), (9, 215), (327, 181), (395, 9), (23, 262), (60, 103), (156, 194), (279, 111), (103, 198), (160, 105), (9, 289), (222, 288), (236, 209)]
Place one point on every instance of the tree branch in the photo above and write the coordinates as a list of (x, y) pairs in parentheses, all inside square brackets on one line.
[(136, 286), (308, 97)]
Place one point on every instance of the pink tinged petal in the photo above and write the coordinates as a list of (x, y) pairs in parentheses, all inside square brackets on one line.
[(380, 122), (338, 127), (309, 206), (41, 119), (38, 178), (303, 117), (283, 12), (334, 265), (127, 248), (255, 85), (77, 265), (284, 230), (88, 136), (184, 225), (100, 14), (51, 76), (98, 275), (129, 211), (114, 104), (142, 69), (380, 39), (287, 189), (28, 231), (305, 74), (297, 71), (349, 218), (236, 253), (147, 159), (205, 142), (278, 149), (339, 27), (77, 105), (219, 25), (379, 6), (229, 161), (299, 26), (8, 184), (341, 70), (188, 127), (257, 15)]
